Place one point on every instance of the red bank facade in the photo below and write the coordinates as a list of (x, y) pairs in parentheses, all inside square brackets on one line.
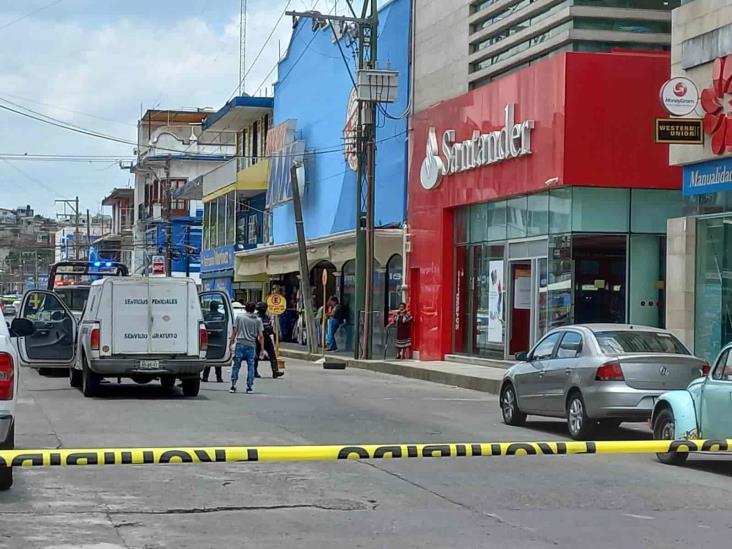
[(538, 200)]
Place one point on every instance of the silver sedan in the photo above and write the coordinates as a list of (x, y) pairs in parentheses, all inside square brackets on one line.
[(596, 374)]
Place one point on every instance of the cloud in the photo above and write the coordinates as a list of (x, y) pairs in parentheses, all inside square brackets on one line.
[(100, 72)]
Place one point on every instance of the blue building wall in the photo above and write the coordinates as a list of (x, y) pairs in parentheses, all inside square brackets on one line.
[(313, 88), (185, 243)]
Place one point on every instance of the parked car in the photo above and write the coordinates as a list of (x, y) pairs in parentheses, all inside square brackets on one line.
[(596, 374), (9, 389), (701, 411), (9, 310), (132, 327)]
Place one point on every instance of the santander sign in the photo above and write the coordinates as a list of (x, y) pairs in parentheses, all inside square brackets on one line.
[(511, 141)]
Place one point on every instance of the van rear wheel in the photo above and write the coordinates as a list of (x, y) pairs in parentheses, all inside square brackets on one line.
[(89, 381), (75, 377), (6, 473), (191, 386)]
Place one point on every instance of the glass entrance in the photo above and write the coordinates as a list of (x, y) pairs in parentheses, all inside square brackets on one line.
[(526, 303)]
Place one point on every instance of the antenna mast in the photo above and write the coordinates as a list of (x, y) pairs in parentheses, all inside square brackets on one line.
[(242, 46)]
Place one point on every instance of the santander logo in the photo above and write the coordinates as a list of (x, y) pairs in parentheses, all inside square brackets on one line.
[(513, 140), (680, 89)]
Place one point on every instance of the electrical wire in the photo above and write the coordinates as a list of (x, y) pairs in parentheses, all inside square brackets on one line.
[(84, 131), (30, 13)]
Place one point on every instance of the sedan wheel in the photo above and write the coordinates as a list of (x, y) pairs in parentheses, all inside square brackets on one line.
[(664, 428), (509, 407), (579, 425)]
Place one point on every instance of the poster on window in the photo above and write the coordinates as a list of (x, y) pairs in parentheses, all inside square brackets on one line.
[(495, 302)]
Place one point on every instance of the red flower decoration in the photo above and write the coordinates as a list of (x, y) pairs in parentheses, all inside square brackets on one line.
[(717, 123)]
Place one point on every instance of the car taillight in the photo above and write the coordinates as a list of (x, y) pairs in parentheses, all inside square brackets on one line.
[(705, 370), (7, 376), (610, 371), (203, 338), (94, 339)]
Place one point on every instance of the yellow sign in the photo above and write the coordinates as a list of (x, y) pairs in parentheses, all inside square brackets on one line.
[(234, 454), (276, 304)]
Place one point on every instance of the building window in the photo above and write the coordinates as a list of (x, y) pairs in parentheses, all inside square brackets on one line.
[(394, 276), (252, 229)]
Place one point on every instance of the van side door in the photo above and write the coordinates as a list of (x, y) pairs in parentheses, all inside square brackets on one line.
[(53, 345), (218, 317)]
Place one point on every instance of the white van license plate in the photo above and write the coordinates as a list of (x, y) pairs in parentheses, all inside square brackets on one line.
[(149, 365)]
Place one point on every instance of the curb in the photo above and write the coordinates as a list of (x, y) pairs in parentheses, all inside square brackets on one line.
[(481, 384)]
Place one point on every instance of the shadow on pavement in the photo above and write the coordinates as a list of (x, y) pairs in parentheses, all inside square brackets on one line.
[(136, 391), (559, 428), (720, 464)]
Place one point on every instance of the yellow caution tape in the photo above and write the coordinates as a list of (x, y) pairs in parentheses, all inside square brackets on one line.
[(229, 454)]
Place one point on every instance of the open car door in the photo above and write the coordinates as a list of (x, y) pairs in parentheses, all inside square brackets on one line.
[(53, 345), (217, 314)]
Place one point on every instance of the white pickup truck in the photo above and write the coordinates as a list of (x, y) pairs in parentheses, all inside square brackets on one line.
[(9, 390), (142, 328)]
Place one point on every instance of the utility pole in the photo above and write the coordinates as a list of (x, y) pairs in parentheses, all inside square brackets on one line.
[(169, 222), (305, 290), (88, 233), (368, 26)]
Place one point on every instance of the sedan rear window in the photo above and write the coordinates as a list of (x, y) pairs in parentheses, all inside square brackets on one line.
[(619, 342)]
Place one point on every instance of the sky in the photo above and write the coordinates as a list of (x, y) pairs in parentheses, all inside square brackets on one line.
[(98, 64)]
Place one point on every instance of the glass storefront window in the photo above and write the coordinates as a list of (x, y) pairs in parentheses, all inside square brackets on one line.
[(496, 212), (650, 209), (221, 216), (599, 278), (462, 218), (516, 217), (537, 214), (487, 320), (560, 210), (479, 223), (213, 223), (597, 210), (713, 323), (559, 289), (231, 218)]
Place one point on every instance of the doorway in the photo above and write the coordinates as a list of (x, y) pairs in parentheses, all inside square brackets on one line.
[(520, 295)]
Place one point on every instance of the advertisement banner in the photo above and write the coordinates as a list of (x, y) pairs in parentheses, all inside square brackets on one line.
[(495, 302)]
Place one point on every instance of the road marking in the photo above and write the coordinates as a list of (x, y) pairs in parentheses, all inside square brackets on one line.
[(641, 517)]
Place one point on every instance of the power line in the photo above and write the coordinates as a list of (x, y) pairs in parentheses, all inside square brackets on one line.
[(28, 176), (30, 13), (63, 108), (40, 117)]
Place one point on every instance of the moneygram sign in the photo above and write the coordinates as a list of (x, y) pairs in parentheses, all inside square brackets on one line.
[(513, 140)]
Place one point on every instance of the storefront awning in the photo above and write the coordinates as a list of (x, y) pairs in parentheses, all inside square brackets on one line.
[(337, 249)]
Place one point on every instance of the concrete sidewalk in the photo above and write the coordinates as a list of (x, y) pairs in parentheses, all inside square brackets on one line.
[(467, 376)]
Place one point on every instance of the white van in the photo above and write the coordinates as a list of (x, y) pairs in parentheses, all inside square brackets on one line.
[(143, 328)]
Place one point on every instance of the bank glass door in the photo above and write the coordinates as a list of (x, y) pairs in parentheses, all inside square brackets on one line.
[(526, 303)]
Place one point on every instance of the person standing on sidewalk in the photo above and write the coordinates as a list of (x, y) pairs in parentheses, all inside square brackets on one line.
[(335, 319), (403, 322), (248, 331), (269, 347)]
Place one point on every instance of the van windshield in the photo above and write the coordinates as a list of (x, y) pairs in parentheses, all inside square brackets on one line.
[(626, 341)]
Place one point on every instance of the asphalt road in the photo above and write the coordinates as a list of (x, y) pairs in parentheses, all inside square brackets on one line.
[(570, 501)]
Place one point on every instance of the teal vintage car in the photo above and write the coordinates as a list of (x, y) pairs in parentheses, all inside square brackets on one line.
[(702, 411)]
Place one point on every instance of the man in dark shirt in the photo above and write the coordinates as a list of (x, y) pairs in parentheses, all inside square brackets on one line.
[(268, 343)]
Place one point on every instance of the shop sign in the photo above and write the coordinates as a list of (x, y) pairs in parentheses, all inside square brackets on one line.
[(217, 259), (679, 96), (511, 141), (158, 265), (679, 131), (708, 177)]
